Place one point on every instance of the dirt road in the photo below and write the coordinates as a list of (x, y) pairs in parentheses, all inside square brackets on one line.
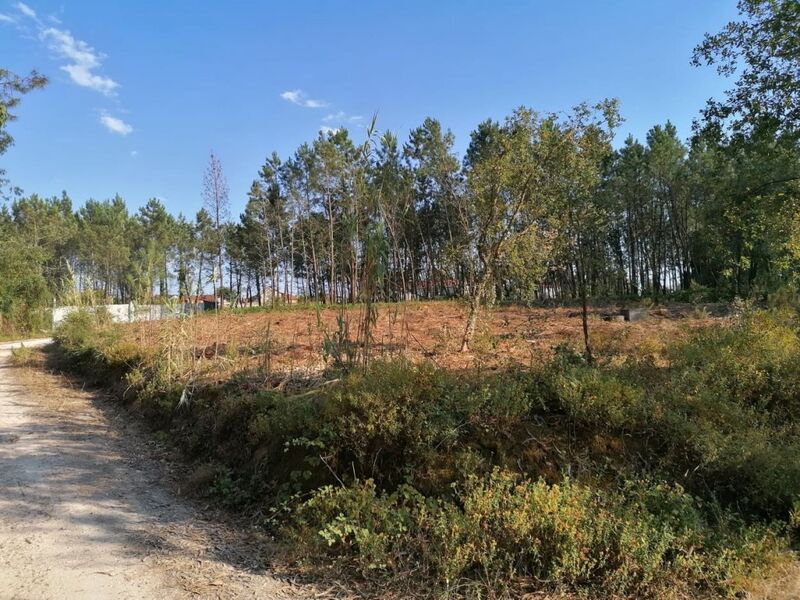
[(85, 512)]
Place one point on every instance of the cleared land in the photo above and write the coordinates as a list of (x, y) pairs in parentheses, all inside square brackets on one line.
[(654, 462), (293, 338)]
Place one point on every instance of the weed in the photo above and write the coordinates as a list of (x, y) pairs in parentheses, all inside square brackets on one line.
[(21, 356)]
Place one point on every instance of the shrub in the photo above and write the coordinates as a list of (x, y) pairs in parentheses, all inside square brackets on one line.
[(500, 531), (600, 398), (754, 362), (21, 356), (91, 344), (647, 475)]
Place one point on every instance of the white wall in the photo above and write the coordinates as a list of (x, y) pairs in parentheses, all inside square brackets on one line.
[(128, 313)]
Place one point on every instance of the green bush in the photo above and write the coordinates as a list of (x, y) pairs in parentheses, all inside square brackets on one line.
[(500, 531), (601, 399), (511, 481), (21, 356), (88, 342), (755, 362)]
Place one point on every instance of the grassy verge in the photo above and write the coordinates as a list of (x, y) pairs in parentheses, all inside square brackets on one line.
[(21, 356), (671, 471)]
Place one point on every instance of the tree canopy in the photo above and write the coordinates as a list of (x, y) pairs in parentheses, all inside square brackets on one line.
[(542, 207)]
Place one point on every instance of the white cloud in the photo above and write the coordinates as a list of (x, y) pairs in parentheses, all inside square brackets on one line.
[(300, 98), (342, 117), (115, 125), (134, 153), (26, 10), (85, 78), (83, 60), (325, 130), (292, 96)]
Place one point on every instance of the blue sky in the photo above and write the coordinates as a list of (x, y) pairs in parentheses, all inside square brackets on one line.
[(142, 91)]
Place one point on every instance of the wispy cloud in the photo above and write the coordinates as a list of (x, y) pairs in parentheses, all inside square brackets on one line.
[(134, 153), (26, 10), (342, 117), (300, 98), (83, 60), (115, 125)]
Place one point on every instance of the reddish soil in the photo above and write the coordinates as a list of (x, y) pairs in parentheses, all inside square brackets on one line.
[(293, 338)]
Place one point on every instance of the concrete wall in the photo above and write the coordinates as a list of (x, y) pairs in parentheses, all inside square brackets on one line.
[(129, 313)]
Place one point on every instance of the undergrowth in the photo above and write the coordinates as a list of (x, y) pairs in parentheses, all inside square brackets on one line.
[(21, 356), (669, 472)]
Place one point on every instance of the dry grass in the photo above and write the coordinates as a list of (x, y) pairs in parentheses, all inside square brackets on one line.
[(290, 341)]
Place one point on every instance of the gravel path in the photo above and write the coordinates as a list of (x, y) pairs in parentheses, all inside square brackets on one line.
[(85, 514)]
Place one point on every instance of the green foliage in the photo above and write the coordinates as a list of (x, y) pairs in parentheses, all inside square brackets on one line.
[(21, 356), (601, 399), (12, 88), (721, 418), (663, 475), (90, 344), (338, 347), (653, 474), (762, 50), (500, 531)]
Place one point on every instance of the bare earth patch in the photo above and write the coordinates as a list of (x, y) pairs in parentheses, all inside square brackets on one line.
[(86, 511), (291, 339)]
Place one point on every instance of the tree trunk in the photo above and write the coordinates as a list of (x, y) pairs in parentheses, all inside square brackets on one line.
[(472, 322), (584, 313)]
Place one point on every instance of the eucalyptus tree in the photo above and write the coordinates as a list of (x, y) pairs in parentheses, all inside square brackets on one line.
[(762, 50), (502, 211), (577, 151)]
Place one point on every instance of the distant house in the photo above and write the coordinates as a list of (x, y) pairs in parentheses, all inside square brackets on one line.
[(209, 301), (266, 298), (200, 301)]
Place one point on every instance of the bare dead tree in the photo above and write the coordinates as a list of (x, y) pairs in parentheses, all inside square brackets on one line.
[(217, 203)]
